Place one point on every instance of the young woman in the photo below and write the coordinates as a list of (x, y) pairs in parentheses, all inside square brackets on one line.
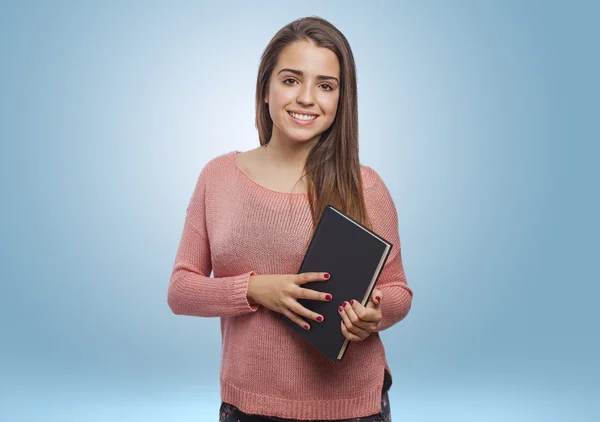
[(250, 219)]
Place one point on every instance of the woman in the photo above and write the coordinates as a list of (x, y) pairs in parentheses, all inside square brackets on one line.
[(250, 219)]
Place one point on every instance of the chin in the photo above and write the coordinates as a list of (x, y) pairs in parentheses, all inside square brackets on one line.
[(303, 139), (300, 136)]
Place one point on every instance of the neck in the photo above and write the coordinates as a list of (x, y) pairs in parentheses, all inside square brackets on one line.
[(288, 154)]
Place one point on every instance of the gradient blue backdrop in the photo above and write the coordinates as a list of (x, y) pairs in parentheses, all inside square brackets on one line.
[(478, 115)]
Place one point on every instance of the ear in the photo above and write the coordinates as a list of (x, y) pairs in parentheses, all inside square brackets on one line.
[(267, 99)]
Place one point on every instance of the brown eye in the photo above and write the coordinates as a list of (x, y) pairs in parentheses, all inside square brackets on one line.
[(329, 87), (288, 79)]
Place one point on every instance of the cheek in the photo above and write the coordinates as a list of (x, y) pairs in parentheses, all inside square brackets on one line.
[(277, 101), (280, 97), (330, 107)]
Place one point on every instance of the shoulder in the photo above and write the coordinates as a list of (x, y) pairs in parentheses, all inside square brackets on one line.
[(370, 178), (217, 167), (211, 178), (223, 160), (380, 205), (378, 198)]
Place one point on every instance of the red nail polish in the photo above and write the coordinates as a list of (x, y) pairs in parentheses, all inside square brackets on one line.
[(326, 276), (306, 326), (328, 297), (319, 318), (344, 303), (378, 298), (352, 302), (340, 309)]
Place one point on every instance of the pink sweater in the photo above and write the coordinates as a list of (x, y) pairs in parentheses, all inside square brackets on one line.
[(237, 228)]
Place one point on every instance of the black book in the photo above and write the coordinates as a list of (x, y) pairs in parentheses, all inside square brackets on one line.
[(354, 256)]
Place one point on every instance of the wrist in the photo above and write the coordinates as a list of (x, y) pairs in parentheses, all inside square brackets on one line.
[(249, 295)]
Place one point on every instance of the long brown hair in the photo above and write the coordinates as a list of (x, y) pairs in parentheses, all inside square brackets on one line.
[(332, 167)]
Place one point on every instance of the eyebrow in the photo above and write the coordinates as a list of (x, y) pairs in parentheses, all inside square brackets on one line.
[(300, 73)]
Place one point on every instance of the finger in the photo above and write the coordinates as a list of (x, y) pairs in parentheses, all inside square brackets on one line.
[(355, 329), (376, 296), (353, 316), (294, 317), (367, 318), (363, 314), (310, 277), (304, 293), (350, 336), (300, 310)]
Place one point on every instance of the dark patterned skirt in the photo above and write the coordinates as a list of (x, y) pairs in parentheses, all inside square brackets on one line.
[(230, 413)]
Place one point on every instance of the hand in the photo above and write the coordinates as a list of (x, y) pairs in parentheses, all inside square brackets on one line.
[(358, 322), (279, 292)]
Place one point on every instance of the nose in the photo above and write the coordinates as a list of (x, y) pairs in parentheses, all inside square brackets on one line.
[(306, 96)]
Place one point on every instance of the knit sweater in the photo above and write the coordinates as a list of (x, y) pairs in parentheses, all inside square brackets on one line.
[(236, 228)]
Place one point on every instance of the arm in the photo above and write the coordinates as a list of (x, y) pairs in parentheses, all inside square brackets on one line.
[(191, 289), (397, 296)]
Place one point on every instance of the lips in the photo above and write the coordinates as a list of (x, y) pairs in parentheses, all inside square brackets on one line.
[(305, 113), (302, 121), (302, 118)]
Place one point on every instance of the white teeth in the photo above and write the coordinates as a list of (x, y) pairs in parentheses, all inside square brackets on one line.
[(303, 116)]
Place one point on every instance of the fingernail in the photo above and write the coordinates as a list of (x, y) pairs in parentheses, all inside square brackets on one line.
[(328, 297), (306, 326), (378, 298), (344, 303), (340, 309), (319, 318), (352, 302), (326, 276)]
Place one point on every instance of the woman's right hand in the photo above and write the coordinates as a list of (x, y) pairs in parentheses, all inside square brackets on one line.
[(279, 292)]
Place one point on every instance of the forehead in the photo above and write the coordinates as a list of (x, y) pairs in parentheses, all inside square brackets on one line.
[(307, 57)]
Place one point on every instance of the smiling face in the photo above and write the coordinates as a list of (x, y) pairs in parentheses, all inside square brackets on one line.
[(303, 94)]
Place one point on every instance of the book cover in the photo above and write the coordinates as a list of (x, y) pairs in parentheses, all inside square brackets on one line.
[(354, 256)]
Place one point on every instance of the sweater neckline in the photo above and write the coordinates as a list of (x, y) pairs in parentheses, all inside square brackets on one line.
[(252, 182)]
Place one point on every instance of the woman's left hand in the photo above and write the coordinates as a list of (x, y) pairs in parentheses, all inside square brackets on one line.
[(358, 321)]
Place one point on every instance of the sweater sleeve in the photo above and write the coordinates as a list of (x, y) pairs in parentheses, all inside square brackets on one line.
[(397, 296), (191, 290)]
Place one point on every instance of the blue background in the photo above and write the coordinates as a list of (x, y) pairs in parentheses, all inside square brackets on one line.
[(481, 117)]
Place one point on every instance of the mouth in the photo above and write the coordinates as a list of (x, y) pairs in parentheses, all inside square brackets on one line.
[(302, 118)]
